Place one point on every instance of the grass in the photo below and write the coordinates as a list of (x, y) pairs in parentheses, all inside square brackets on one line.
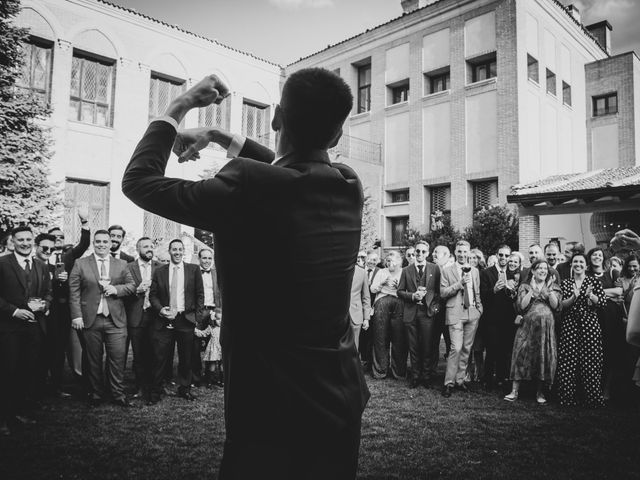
[(406, 434)]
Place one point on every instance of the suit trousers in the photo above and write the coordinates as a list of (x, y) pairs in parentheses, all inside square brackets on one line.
[(498, 336), (462, 334), (163, 340), (441, 330), (140, 338), (357, 329), (57, 339), (387, 328), (105, 335), (420, 333), (320, 456), (19, 352)]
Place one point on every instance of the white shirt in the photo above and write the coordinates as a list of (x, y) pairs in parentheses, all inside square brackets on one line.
[(468, 286), (180, 272), (207, 280), (145, 273), (107, 261), (378, 286), (22, 261)]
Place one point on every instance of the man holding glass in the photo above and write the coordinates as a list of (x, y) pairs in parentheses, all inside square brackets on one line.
[(97, 286), (25, 295), (177, 297)]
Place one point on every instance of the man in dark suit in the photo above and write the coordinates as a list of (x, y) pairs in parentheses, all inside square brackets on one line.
[(177, 296), (294, 388), (97, 285), (140, 315), (570, 249), (211, 301), (25, 296), (419, 289), (497, 324), (117, 234)]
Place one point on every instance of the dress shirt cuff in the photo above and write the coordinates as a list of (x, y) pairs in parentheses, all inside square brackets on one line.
[(167, 119), (236, 146)]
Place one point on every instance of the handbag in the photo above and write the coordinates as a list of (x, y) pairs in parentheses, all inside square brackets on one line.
[(633, 321)]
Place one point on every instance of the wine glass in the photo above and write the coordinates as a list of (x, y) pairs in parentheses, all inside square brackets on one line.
[(104, 283), (36, 305), (422, 291), (172, 314)]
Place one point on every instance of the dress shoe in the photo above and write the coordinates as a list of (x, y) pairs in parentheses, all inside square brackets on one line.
[(122, 402), (414, 382), (138, 394), (4, 430), (24, 420), (187, 395), (446, 391)]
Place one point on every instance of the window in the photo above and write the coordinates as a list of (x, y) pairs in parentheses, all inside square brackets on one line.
[(483, 68), (485, 194), (163, 90), (158, 228), (566, 93), (364, 88), (215, 115), (605, 104), (95, 195), (255, 120), (35, 75), (439, 81), (398, 229), (551, 82), (533, 72), (92, 85), (441, 199), (399, 196), (399, 92)]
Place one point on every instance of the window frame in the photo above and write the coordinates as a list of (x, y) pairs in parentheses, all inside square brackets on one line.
[(85, 57), (402, 89), (607, 108), (531, 61), (363, 88), (43, 44), (476, 185), (442, 77), (175, 81), (393, 199), (566, 94), (551, 74), (393, 221), (489, 62)]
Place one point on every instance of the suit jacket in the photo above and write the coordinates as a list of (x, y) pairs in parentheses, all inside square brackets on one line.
[(125, 256), (14, 293), (408, 285), (370, 280), (61, 289), (286, 332), (134, 303), (564, 270), (160, 293), (360, 308), (216, 288), (498, 306), (85, 293), (455, 297)]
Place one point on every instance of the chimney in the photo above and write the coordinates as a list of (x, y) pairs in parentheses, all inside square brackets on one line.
[(602, 32), (409, 6), (575, 13)]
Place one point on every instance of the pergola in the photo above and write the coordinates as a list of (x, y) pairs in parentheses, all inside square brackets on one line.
[(610, 194)]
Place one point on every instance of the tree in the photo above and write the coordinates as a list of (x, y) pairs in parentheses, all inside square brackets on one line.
[(492, 227), (369, 234), (446, 234), (26, 194)]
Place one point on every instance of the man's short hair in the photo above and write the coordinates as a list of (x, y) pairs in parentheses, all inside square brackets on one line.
[(142, 239), (102, 231), (21, 228), (463, 243), (54, 229), (549, 245), (44, 236), (314, 103), (534, 245), (395, 254), (204, 249), (117, 227), (421, 242), (175, 240), (503, 246)]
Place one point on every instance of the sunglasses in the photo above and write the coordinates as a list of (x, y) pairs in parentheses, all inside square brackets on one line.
[(59, 237), (421, 251), (503, 255), (46, 249), (410, 254)]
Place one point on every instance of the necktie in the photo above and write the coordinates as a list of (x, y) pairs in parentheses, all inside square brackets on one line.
[(420, 272), (205, 271), (27, 267), (103, 276), (145, 276), (113, 254), (173, 300), (466, 300)]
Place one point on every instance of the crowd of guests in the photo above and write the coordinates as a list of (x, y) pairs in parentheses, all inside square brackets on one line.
[(62, 301), (557, 324)]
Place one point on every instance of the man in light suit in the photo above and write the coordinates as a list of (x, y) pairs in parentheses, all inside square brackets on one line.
[(140, 315), (360, 307), (286, 334), (177, 296), (22, 326), (460, 286), (97, 285), (419, 289)]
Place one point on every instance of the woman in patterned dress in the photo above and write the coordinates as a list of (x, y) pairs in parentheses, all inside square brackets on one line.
[(534, 348), (580, 346)]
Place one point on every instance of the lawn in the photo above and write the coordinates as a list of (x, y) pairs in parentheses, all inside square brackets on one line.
[(406, 434)]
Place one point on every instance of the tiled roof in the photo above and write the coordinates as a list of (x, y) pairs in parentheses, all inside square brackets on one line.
[(556, 2), (603, 179), (182, 30)]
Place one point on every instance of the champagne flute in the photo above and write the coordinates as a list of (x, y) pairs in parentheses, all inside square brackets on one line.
[(172, 314)]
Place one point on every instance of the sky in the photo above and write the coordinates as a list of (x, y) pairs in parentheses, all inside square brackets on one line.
[(283, 31)]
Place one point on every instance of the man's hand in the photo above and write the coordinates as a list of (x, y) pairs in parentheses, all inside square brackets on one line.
[(22, 314), (190, 141), (500, 284), (110, 290), (625, 240), (63, 276), (83, 212), (211, 89), (365, 325), (77, 323)]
